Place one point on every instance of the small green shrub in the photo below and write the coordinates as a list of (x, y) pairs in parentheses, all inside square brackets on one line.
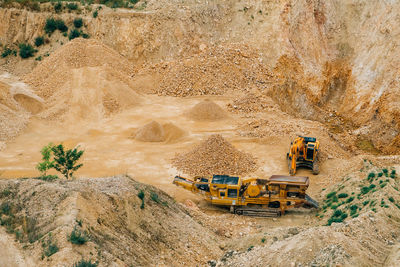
[(365, 190), (331, 194), (337, 217), (84, 263), (263, 240), (155, 197), (365, 202), (343, 195), (85, 35), (61, 25), (58, 7), (371, 176), (95, 14), (391, 199), (74, 34), (49, 247), (380, 174), (7, 51), (393, 174), (337, 213), (353, 209), (141, 196), (371, 186), (78, 22), (26, 50), (383, 184), (386, 172), (39, 58), (77, 237), (334, 199), (50, 26), (5, 208), (39, 41), (350, 199), (250, 248), (374, 210), (72, 6)]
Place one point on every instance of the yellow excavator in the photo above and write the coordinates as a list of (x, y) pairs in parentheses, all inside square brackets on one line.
[(303, 152), (253, 196)]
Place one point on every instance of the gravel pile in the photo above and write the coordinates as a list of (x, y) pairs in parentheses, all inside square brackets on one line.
[(214, 71), (215, 155)]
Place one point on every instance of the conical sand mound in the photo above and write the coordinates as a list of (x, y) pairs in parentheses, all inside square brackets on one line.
[(206, 110), (215, 156), (151, 132), (173, 133)]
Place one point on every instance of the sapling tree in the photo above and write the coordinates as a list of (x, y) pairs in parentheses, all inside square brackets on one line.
[(46, 163), (65, 161)]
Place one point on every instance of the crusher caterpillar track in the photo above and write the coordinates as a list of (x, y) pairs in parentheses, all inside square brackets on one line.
[(252, 197)]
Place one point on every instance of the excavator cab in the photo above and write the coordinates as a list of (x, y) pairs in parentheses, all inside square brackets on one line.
[(303, 152)]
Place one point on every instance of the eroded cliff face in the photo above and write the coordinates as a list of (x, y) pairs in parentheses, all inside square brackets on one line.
[(330, 58)]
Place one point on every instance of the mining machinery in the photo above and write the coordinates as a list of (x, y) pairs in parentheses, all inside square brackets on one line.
[(251, 196)]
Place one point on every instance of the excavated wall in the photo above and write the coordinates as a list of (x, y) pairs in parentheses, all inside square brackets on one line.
[(330, 58)]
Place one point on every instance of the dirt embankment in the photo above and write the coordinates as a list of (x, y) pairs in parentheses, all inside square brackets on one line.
[(108, 212), (363, 211)]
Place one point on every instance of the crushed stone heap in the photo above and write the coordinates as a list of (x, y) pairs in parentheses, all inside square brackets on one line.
[(215, 155)]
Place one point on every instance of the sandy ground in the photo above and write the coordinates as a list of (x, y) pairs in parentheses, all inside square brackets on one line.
[(10, 252), (110, 148)]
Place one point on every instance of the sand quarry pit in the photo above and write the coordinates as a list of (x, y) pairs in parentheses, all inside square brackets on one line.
[(148, 100), (100, 112)]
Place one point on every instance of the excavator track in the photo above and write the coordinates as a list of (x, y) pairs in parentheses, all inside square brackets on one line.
[(258, 212)]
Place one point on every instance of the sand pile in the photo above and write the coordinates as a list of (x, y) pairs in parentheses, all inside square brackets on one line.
[(151, 132), (91, 94), (206, 110), (173, 133), (54, 71), (155, 132), (215, 155)]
